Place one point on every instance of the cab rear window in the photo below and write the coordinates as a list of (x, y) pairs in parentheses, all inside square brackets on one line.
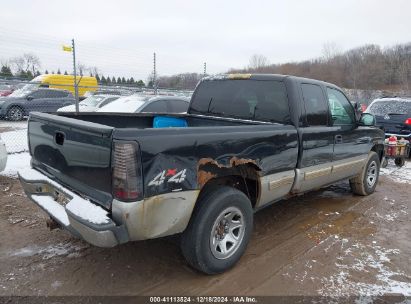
[(261, 100)]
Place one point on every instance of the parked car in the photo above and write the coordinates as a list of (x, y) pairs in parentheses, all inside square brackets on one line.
[(3, 155), (121, 92), (246, 142), (90, 104), (5, 90), (141, 103), (393, 115), (28, 99)]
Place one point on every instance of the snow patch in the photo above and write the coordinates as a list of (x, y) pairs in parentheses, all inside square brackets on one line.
[(16, 141), (15, 163), (56, 284), (367, 259), (52, 207), (88, 211), (78, 206), (49, 252), (398, 174)]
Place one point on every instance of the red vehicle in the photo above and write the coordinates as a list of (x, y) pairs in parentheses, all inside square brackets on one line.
[(5, 90)]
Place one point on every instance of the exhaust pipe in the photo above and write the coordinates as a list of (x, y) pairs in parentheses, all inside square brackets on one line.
[(52, 224)]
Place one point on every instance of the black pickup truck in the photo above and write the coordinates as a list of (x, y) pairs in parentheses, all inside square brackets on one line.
[(247, 141)]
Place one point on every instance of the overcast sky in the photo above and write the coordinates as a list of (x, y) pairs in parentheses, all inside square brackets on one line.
[(119, 37)]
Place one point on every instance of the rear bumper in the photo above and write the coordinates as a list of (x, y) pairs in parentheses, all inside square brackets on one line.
[(398, 135), (79, 216)]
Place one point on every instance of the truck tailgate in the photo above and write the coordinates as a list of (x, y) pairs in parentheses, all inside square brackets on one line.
[(73, 152)]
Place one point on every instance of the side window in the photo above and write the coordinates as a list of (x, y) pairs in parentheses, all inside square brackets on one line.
[(177, 106), (52, 94), (341, 110), (61, 94), (315, 106), (57, 94), (156, 106), (38, 94)]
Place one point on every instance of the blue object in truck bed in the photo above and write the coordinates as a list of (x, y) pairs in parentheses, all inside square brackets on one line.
[(169, 122)]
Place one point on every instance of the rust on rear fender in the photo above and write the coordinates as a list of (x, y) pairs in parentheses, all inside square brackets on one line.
[(208, 168)]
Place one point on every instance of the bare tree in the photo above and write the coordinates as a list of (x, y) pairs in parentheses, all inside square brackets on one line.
[(81, 68), (405, 74), (257, 62), (29, 62), (331, 50), (94, 70)]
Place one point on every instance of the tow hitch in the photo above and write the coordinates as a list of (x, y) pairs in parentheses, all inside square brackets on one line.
[(52, 224)]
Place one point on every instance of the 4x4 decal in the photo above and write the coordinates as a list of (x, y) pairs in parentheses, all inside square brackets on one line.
[(169, 175)]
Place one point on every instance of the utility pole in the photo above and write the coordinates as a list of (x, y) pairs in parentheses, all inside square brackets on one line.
[(205, 69), (75, 76), (154, 74)]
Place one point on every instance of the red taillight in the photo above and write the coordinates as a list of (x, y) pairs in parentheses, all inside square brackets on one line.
[(408, 121), (127, 181)]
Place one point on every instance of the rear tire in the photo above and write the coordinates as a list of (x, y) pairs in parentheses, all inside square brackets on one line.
[(367, 180), (15, 113), (219, 230)]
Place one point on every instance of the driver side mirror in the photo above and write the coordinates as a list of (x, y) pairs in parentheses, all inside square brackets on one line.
[(29, 97), (367, 120)]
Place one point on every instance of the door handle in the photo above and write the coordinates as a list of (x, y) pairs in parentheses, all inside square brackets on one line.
[(59, 138), (338, 139)]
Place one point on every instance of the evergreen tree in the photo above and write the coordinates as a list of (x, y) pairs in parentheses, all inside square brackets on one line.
[(52, 72), (113, 80), (108, 80), (29, 75), (65, 73), (5, 71), (123, 80), (98, 78), (46, 72), (58, 71), (118, 80), (22, 74), (37, 73), (103, 80), (141, 83)]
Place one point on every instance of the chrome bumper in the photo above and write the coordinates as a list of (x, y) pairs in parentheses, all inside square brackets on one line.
[(398, 135), (79, 216)]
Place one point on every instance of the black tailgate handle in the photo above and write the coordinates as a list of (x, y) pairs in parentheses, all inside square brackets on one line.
[(59, 138)]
